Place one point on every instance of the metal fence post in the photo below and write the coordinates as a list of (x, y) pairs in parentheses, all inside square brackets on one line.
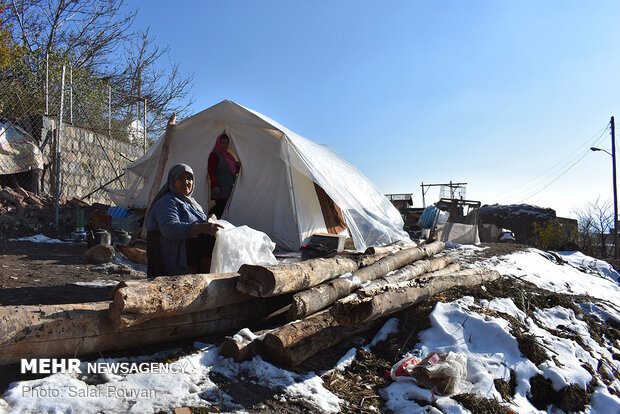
[(58, 144), (144, 125), (109, 110), (71, 94), (135, 133), (46, 84)]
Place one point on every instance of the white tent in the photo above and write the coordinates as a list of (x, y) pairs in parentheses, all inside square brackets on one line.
[(287, 186)]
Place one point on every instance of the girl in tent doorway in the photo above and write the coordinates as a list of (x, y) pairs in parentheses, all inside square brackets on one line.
[(223, 169)]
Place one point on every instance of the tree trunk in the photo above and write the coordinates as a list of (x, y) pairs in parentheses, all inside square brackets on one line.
[(55, 331), (397, 260), (320, 297), (135, 302), (422, 268), (292, 344), (390, 249), (357, 308), (265, 281)]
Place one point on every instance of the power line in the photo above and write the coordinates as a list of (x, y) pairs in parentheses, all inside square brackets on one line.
[(557, 178), (557, 166)]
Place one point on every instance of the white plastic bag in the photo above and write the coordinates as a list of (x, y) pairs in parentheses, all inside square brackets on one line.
[(236, 246), (440, 372)]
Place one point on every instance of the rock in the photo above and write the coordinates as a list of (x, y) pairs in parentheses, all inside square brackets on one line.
[(99, 254)]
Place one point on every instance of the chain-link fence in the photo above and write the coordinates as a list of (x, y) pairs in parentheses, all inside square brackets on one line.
[(102, 130)]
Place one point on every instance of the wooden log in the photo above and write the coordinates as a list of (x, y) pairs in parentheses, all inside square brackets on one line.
[(33, 201), (244, 345), (266, 281), (24, 193), (295, 342), (357, 308), (439, 266), (320, 297), (137, 301), (55, 331), (390, 249), (397, 260), (134, 254)]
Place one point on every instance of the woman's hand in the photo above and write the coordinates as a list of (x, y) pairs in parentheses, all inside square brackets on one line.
[(211, 228), (204, 228)]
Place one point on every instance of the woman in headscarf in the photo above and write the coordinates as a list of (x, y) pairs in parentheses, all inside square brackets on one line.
[(179, 237), (223, 169)]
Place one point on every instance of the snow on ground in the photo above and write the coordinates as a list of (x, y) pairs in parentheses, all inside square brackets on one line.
[(492, 351), (476, 329), (98, 283), (149, 393), (39, 238), (580, 275)]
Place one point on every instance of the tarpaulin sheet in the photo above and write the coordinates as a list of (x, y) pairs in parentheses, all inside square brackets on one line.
[(18, 150)]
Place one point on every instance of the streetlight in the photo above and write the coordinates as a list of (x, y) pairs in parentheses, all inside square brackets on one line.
[(613, 162), (600, 149)]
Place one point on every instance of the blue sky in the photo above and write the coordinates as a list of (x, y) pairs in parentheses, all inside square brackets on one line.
[(503, 95)]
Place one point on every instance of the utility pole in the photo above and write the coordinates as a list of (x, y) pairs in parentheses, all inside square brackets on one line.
[(613, 156)]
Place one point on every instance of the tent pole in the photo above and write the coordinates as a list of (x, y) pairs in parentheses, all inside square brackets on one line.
[(290, 180)]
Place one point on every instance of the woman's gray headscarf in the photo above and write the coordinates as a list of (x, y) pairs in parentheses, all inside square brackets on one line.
[(174, 173)]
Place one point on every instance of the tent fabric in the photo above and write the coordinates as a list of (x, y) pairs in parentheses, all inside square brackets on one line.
[(275, 191)]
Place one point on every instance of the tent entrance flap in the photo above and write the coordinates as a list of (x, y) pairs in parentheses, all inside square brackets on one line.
[(331, 212)]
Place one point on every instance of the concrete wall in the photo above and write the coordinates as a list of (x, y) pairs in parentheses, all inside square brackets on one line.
[(87, 160)]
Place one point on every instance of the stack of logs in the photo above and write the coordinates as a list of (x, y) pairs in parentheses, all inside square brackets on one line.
[(322, 302)]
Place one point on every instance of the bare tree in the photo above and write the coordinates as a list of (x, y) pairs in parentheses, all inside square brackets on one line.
[(86, 32), (96, 38), (165, 88), (595, 222)]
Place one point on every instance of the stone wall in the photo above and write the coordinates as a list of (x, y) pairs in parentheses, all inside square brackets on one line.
[(87, 161)]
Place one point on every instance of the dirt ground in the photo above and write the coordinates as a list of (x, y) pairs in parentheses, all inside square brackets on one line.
[(46, 273)]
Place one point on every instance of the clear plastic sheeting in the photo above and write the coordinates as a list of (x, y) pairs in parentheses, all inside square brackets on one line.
[(18, 150), (236, 246)]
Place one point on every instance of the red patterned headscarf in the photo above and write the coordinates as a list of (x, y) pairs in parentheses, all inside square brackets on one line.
[(230, 160)]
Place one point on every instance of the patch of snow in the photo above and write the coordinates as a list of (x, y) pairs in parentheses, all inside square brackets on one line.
[(600, 311), (40, 238), (569, 352), (507, 306), (98, 283), (346, 360), (602, 401), (465, 247), (390, 326), (590, 265), (401, 397), (532, 265)]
